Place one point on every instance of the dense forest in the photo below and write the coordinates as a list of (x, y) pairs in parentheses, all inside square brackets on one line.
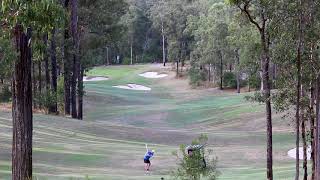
[(267, 46)]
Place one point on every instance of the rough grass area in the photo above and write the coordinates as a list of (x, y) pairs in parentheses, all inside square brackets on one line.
[(109, 143)]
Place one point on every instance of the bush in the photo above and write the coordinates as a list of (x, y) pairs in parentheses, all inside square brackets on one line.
[(151, 58), (126, 61), (254, 82), (60, 94), (46, 99), (197, 76), (5, 94), (229, 80), (198, 165)]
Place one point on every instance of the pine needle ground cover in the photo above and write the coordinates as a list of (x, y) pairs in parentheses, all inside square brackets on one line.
[(109, 144)]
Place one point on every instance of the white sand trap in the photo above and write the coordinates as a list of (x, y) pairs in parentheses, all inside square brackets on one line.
[(94, 78), (292, 153), (135, 87), (153, 75)]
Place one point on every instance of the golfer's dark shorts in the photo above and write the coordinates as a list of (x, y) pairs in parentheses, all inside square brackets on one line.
[(147, 161)]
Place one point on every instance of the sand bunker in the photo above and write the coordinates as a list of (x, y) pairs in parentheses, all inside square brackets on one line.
[(292, 153), (135, 87), (94, 78), (153, 75)]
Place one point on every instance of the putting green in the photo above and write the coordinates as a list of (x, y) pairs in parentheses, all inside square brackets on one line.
[(109, 144)]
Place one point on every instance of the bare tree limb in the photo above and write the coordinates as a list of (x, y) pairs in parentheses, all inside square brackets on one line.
[(246, 11)]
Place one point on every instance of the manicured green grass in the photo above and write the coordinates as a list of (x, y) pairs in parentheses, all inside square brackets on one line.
[(109, 144)]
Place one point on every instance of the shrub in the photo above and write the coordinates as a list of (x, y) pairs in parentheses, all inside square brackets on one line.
[(254, 82), (126, 61), (5, 94), (46, 99), (229, 80), (198, 165), (60, 94), (197, 76)]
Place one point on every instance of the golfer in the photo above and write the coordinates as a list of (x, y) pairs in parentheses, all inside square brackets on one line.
[(149, 154)]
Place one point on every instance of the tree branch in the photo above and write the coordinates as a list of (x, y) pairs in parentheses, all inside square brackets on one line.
[(246, 11)]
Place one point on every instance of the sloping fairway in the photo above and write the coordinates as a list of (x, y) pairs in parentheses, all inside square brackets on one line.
[(109, 144)]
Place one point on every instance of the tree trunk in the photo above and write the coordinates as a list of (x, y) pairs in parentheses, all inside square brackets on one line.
[(304, 138), (22, 108), (181, 57), (81, 93), (163, 46), (209, 73), (66, 67), (108, 62), (221, 70), (34, 80), (131, 53), (261, 77), (213, 72), (46, 66), (267, 92), (265, 63), (75, 65), (74, 89), (238, 70), (47, 72), (312, 130), (66, 74), (313, 58), (177, 70), (40, 81), (80, 71), (298, 113), (298, 65), (53, 108), (317, 138), (305, 146)]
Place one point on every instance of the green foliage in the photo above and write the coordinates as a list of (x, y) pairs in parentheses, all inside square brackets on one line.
[(198, 165), (102, 29), (209, 30), (7, 55), (171, 16), (46, 99), (196, 75), (41, 15), (229, 80), (254, 82), (60, 94), (93, 57), (138, 33), (5, 93), (126, 61)]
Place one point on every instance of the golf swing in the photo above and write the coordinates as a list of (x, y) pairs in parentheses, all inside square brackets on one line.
[(149, 154)]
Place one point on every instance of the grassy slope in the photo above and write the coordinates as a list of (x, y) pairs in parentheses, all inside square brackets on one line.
[(110, 143)]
